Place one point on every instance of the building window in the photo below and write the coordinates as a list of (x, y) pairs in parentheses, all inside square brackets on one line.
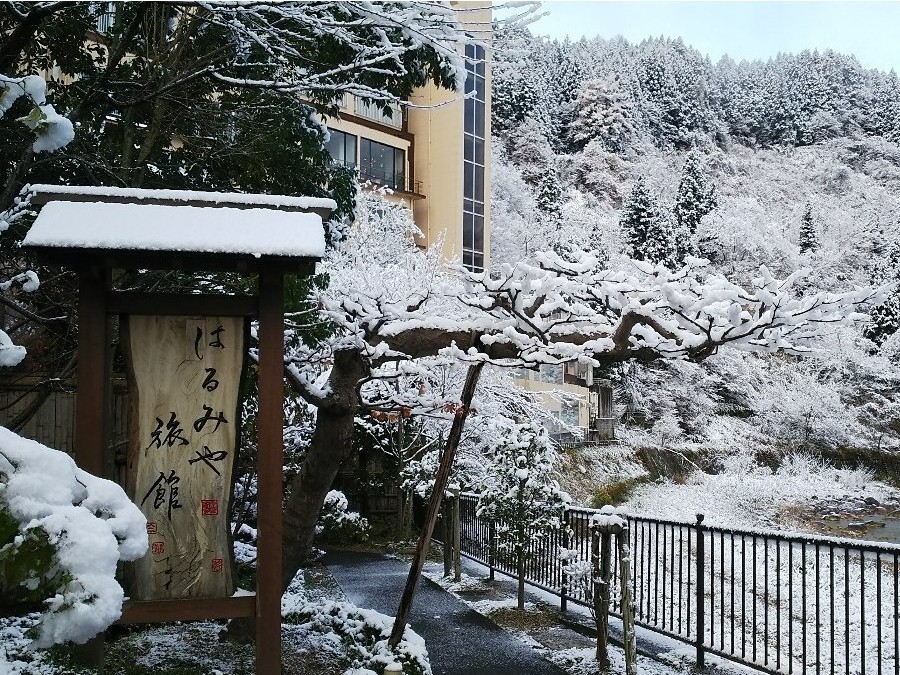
[(342, 148), (474, 160), (104, 16), (382, 164)]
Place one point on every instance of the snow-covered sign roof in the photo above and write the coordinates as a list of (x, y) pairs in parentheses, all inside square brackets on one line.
[(170, 229), (72, 193)]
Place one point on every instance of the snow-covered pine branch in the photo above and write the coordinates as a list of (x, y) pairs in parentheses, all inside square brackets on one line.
[(52, 132)]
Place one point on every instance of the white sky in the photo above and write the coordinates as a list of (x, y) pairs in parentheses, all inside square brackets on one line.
[(742, 29)]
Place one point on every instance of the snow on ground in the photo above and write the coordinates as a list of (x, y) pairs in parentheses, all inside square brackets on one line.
[(745, 494)]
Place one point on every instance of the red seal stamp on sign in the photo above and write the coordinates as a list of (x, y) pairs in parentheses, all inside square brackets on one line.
[(158, 547), (218, 564), (209, 507), (151, 528)]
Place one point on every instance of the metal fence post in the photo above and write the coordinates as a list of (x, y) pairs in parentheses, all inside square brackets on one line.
[(457, 527), (564, 582), (701, 591), (445, 517), (492, 538)]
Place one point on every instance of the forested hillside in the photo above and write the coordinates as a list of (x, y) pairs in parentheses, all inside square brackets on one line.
[(652, 152)]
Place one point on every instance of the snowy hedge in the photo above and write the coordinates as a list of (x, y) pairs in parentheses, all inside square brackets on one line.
[(62, 533)]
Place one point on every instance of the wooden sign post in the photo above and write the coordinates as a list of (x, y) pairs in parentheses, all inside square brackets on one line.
[(185, 356)]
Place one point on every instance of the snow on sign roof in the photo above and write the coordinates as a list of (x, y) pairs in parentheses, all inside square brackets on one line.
[(108, 193), (177, 229)]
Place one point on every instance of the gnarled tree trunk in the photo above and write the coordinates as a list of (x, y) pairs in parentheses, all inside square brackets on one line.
[(330, 445)]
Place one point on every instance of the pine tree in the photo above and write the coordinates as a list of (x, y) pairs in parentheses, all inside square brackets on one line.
[(520, 495), (514, 90), (648, 232), (696, 197), (885, 319), (531, 152), (809, 240), (603, 111)]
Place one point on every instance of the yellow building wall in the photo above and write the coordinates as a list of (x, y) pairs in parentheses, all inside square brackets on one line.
[(435, 118)]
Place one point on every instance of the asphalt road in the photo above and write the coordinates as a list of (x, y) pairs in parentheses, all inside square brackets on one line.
[(460, 641)]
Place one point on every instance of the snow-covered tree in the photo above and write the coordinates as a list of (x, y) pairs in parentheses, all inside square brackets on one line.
[(603, 111), (514, 87), (648, 232), (520, 496), (809, 237), (696, 197)]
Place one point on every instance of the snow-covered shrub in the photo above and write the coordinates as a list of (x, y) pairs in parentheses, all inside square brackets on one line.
[(337, 523), (364, 633), (62, 533)]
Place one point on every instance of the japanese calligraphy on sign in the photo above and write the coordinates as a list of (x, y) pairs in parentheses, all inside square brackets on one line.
[(184, 379)]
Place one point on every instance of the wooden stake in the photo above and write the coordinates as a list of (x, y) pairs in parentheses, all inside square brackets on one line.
[(624, 542), (437, 494)]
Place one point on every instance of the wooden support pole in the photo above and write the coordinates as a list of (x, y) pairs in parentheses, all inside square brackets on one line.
[(270, 467), (457, 536), (93, 381), (626, 601), (437, 494), (91, 412)]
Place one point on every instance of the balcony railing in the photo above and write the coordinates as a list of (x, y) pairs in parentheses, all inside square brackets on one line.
[(373, 112)]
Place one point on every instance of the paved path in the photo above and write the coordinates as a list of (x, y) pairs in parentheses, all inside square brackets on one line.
[(460, 641)]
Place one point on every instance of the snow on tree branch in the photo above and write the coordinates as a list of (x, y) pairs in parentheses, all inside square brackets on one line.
[(272, 42), (551, 309)]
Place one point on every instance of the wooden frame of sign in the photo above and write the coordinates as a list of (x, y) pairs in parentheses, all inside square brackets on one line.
[(97, 303)]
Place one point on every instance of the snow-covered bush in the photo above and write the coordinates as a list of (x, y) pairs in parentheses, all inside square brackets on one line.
[(62, 533), (364, 633), (337, 523)]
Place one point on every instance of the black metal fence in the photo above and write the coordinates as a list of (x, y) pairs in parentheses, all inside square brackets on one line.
[(782, 603)]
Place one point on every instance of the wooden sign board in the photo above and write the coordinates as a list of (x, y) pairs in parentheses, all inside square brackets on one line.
[(184, 382)]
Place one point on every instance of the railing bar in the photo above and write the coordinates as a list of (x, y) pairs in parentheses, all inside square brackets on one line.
[(896, 614), (862, 613), (818, 610), (712, 590), (790, 613), (846, 611), (777, 604), (647, 547), (680, 574), (743, 596), (831, 593), (656, 573), (803, 603), (753, 630), (878, 606), (722, 591), (672, 582), (687, 605), (766, 600), (731, 554), (663, 575)]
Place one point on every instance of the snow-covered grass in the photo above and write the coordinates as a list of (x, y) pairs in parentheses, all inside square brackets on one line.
[(745, 494)]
